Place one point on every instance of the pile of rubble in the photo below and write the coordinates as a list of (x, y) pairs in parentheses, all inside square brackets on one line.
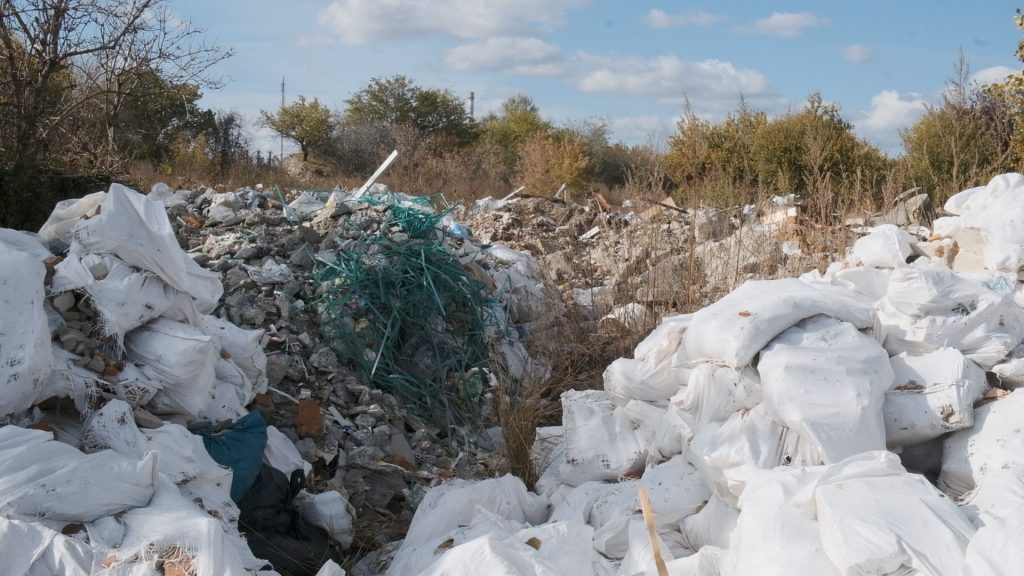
[(863, 420)]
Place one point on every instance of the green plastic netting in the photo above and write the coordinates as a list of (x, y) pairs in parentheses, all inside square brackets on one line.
[(408, 314)]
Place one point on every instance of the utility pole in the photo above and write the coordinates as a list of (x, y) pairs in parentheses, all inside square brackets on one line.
[(282, 108), (472, 98)]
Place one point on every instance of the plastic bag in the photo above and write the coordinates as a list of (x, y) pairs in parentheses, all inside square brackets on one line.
[(330, 511), (35, 550), (181, 357), (932, 394), (243, 348), (600, 442), (25, 353), (714, 393), (928, 307), (996, 441), (727, 453), (182, 458), (885, 247), (125, 297), (658, 367), (239, 446), (876, 523), (137, 231), (66, 214), (40, 477), (281, 454), (759, 310), (454, 503), (825, 380)]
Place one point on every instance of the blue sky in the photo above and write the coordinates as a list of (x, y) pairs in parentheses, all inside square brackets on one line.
[(629, 64)]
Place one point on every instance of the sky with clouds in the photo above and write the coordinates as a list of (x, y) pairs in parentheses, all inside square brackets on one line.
[(632, 65)]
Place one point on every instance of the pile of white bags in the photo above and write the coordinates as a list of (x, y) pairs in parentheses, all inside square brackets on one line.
[(774, 429), (124, 500)]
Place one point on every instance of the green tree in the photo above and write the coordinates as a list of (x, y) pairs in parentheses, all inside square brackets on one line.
[(67, 63), (398, 101), (963, 141), (1010, 93), (799, 151), (308, 123), (518, 121)]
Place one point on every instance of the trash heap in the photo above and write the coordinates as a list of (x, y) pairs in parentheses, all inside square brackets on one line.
[(614, 263), (129, 447), (864, 420)]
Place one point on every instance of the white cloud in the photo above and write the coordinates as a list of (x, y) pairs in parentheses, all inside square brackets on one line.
[(789, 24), (365, 21), (669, 78), (650, 130), (992, 75), (858, 53), (890, 112), (512, 54), (661, 19)]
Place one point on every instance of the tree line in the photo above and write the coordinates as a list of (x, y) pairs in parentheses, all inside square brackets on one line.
[(105, 87)]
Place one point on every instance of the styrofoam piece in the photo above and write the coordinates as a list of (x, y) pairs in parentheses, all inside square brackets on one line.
[(759, 310), (136, 230), (826, 380), (996, 441), (931, 395)]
